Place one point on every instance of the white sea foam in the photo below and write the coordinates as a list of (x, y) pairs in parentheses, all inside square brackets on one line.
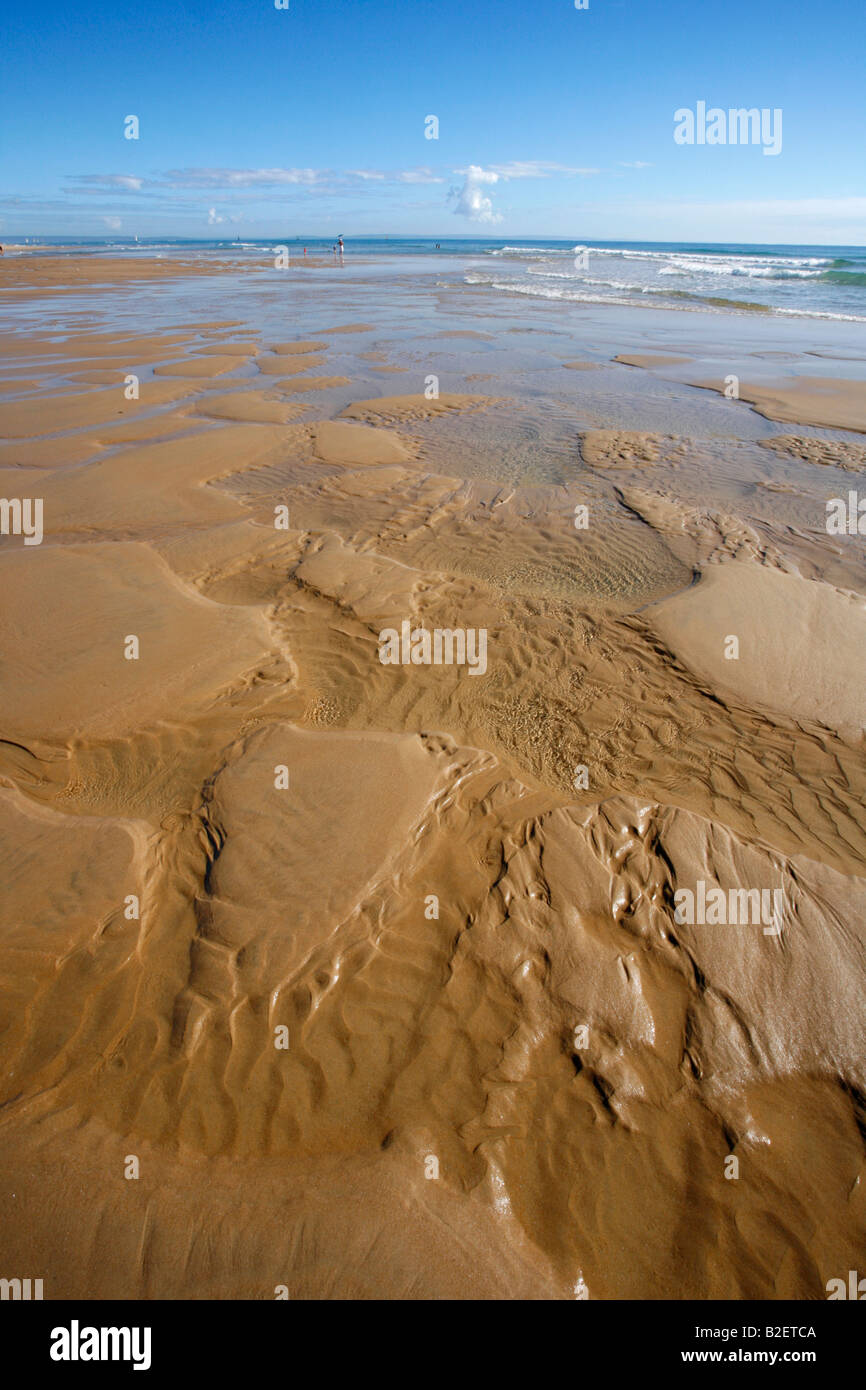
[(675, 275), (583, 289)]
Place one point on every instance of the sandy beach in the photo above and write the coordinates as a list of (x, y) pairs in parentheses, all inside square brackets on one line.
[(376, 973)]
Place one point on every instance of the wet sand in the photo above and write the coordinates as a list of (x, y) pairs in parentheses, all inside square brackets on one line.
[(375, 970), (836, 403)]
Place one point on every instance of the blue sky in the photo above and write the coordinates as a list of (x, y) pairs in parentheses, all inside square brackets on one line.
[(553, 121)]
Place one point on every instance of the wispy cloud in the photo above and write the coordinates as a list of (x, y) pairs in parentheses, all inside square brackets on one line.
[(319, 180), (175, 189), (820, 220), (537, 169), (241, 178), (309, 178), (634, 164), (106, 181), (420, 176)]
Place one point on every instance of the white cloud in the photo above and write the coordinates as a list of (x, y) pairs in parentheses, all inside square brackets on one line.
[(634, 164), (213, 217), (274, 178), (469, 201), (241, 178), (419, 176), (536, 169), (319, 179), (113, 223), (128, 181)]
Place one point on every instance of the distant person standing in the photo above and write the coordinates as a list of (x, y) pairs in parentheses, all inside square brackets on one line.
[(340, 244)]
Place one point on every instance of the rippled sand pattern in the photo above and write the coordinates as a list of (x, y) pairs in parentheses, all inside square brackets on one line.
[(375, 969)]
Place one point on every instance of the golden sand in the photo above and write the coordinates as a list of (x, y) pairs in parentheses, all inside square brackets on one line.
[(830, 401), (649, 359), (508, 1070)]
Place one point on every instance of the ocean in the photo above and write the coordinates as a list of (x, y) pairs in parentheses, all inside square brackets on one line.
[(825, 282)]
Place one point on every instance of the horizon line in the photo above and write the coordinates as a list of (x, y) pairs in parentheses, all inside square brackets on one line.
[(13, 238)]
